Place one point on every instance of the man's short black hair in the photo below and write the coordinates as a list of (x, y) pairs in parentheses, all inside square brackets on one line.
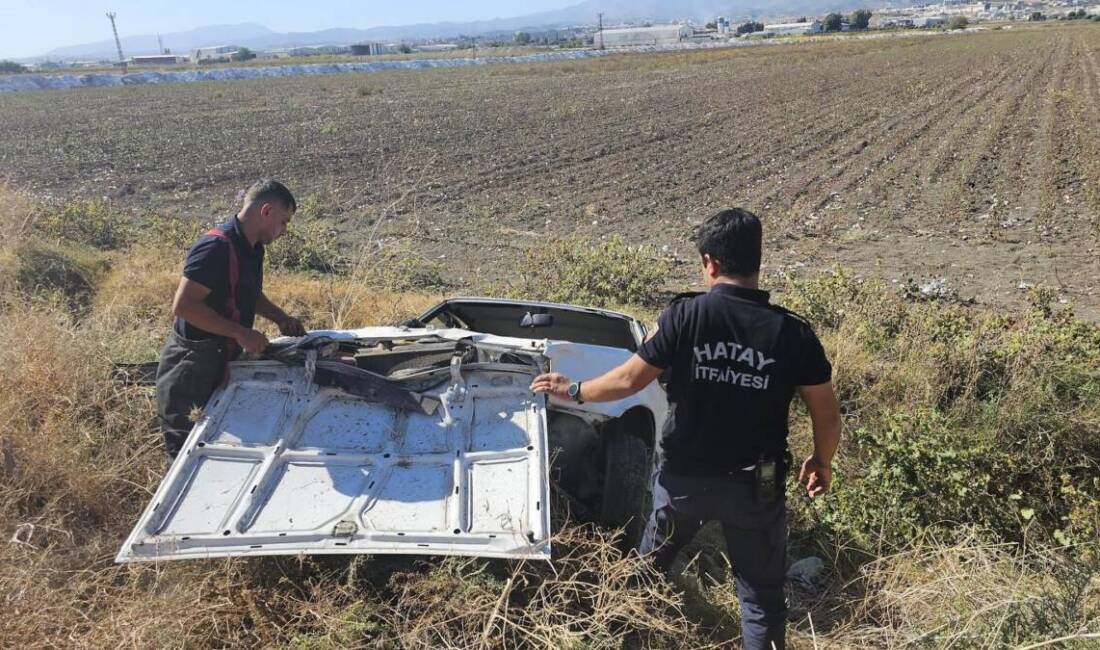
[(732, 237), (269, 190)]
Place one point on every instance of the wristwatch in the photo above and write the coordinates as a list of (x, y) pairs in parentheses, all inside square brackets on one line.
[(574, 392)]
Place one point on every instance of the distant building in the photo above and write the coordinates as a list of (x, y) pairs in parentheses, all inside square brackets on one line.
[(370, 49), (214, 54), (636, 36), (157, 59), (891, 22), (437, 47), (930, 21), (318, 50), (792, 29)]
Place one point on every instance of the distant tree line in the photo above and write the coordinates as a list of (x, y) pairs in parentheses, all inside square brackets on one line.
[(860, 19), (750, 27), (11, 67), (243, 54)]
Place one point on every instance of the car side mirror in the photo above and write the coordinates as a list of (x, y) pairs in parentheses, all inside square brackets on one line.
[(536, 320)]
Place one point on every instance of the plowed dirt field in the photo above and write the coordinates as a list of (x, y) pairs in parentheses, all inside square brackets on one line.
[(974, 158)]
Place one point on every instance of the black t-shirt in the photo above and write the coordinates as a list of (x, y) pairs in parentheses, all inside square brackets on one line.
[(736, 361), (208, 264)]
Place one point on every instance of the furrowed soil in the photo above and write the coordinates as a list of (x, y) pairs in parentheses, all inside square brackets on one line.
[(971, 158)]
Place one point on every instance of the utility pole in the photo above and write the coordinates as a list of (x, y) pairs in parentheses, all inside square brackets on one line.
[(160, 45), (111, 16), (599, 17)]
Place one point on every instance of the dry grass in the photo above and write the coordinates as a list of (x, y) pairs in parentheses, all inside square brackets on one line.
[(592, 596), (344, 302), (15, 223), (974, 594), (80, 455)]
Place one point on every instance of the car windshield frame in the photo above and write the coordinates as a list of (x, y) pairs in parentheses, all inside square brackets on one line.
[(581, 324)]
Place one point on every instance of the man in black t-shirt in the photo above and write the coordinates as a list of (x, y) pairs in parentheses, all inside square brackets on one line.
[(215, 306), (735, 362)]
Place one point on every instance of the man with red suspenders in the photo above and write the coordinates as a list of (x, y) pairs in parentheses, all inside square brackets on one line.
[(216, 303)]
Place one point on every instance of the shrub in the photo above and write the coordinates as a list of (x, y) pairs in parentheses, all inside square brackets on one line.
[(397, 267), (750, 27), (170, 235), (951, 418), (599, 273), (65, 272), (85, 222), (917, 472), (309, 244), (11, 67), (861, 19), (958, 22), (243, 54)]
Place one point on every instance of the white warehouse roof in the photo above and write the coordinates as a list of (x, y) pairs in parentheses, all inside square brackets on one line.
[(651, 28), (784, 26)]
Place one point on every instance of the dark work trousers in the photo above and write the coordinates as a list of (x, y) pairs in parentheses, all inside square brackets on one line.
[(188, 374), (756, 540)]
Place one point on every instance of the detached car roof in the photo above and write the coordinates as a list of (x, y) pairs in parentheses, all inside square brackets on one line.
[(290, 459)]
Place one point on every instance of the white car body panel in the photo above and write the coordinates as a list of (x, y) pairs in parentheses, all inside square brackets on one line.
[(279, 465)]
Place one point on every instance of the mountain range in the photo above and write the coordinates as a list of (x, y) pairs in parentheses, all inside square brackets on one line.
[(258, 37)]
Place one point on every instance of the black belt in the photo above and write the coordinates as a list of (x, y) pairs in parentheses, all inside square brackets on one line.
[(740, 470)]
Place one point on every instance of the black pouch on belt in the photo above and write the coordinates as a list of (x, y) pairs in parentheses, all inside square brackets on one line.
[(767, 482)]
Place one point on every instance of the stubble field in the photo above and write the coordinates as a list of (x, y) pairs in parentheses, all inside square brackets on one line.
[(970, 158)]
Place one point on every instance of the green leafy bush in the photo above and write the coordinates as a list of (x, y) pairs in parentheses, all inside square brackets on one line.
[(171, 234), (398, 267), (918, 472), (310, 244), (600, 273), (86, 222), (958, 418)]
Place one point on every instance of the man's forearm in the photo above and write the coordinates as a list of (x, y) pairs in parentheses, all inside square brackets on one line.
[(629, 378), (826, 440), (268, 309), (203, 317), (614, 384)]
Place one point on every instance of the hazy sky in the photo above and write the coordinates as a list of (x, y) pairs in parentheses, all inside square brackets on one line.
[(32, 27)]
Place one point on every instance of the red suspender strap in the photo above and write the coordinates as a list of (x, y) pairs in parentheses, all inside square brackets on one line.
[(231, 310)]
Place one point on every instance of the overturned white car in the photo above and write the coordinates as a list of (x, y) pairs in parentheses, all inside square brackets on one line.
[(421, 438)]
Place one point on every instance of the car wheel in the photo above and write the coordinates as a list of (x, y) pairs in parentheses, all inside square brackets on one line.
[(627, 471)]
